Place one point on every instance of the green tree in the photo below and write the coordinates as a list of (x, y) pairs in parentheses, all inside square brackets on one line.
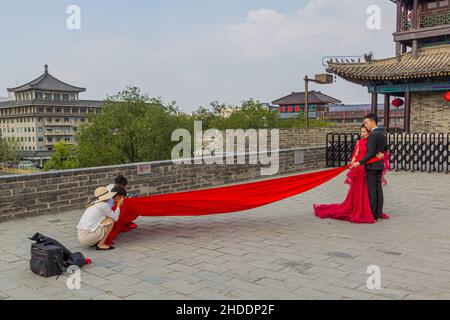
[(9, 150), (132, 127), (210, 115), (63, 159), (251, 115)]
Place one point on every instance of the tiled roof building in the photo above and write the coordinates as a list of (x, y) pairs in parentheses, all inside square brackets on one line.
[(43, 112), (432, 62), (46, 82), (419, 74), (290, 105)]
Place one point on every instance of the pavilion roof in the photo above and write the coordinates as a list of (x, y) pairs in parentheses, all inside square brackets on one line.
[(47, 82), (315, 97), (431, 62)]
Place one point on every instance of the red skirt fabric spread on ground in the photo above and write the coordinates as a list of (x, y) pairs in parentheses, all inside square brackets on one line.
[(356, 206), (222, 200)]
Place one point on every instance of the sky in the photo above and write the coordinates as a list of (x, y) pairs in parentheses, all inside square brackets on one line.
[(191, 51)]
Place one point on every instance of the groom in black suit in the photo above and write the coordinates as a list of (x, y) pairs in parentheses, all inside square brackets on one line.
[(377, 143)]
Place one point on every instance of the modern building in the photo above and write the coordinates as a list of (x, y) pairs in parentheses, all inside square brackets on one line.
[(419, 74), (291, 105), (43, 112)]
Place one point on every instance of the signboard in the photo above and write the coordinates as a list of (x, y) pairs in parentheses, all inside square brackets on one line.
[(411, 87), (144, 169), (299, 157), (324, 78)]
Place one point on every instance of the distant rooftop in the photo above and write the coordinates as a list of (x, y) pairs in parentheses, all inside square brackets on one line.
[(46, 82), (296, 98)]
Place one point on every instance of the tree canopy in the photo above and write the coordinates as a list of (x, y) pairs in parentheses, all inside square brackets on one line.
[(250, 115), (132, 127), (9, 150), (65, 157)]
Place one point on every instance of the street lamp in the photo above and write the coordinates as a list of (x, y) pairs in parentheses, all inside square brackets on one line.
[(323, 78)]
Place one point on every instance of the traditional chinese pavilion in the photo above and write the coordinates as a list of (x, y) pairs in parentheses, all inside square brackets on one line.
[(42, 113), (419, 74), (291, 105)]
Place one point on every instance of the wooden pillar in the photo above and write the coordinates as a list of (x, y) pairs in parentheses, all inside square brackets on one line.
[(374, 108), (399, 14), (398, 49), (415, 25), (407, 118), (387, 112), (404, 14), (415, 45), (415, 16)]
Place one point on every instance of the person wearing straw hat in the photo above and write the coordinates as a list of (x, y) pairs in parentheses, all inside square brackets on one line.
[(98, 219)]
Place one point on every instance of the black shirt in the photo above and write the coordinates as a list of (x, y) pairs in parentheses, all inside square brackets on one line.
[(376, 143)]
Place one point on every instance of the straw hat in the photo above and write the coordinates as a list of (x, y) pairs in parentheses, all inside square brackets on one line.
[(102, 194)]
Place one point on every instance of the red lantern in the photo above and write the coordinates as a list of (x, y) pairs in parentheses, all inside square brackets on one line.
[(398, 102), (447, 96)]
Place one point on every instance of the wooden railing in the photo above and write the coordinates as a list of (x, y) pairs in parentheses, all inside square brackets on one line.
[(426, 20), (429, 20)]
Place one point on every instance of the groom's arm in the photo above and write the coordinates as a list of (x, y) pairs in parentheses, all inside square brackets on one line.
[(371, 149)]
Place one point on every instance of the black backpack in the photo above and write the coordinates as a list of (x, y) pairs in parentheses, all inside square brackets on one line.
[(50, 258), (46, 260)]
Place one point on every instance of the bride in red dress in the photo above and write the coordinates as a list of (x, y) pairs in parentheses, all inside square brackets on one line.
[(356, 206)]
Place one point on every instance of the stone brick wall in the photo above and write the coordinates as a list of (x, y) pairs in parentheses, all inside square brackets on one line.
[(54, 192), (430, 113), (300, 138), (292, 138)]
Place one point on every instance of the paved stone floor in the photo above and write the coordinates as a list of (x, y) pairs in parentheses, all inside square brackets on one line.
[(280, 251)]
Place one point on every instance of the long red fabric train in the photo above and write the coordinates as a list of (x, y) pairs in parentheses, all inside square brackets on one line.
[(221, 200)]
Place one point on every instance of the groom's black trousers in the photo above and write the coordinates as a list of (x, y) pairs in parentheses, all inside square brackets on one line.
[(375, 189)]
